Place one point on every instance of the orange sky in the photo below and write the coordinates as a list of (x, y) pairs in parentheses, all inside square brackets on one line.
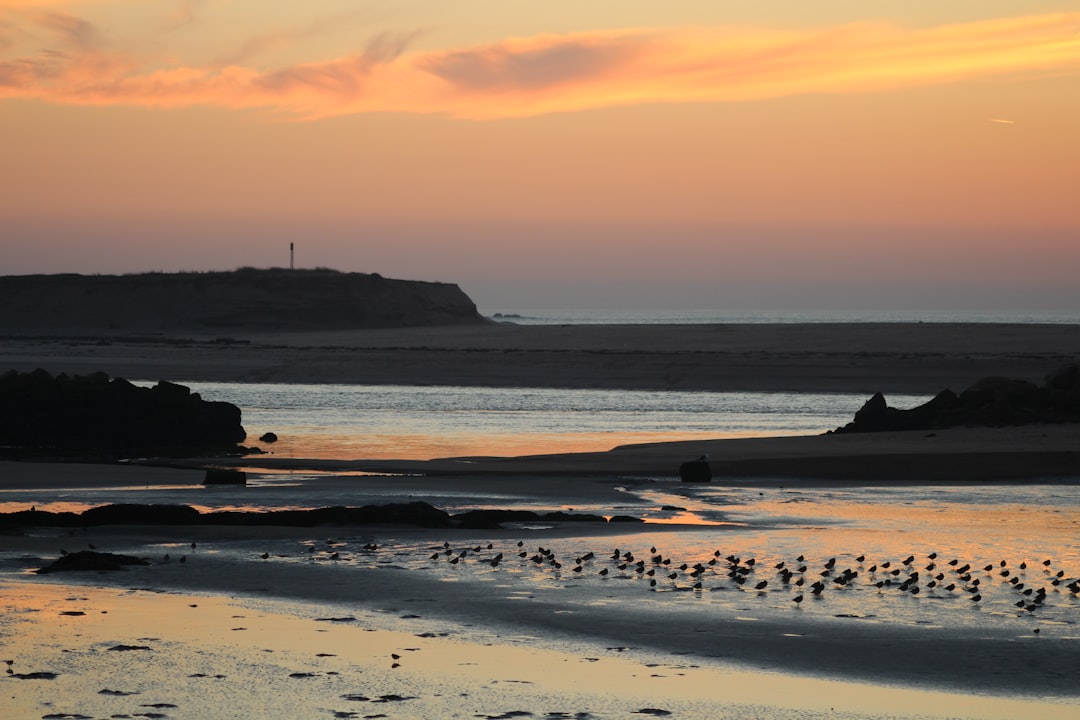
[(715, 155)]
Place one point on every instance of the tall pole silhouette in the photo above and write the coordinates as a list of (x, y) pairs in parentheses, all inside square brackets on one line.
[(291, 265)]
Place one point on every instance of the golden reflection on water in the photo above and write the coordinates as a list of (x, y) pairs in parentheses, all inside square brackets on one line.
[(132, 650)]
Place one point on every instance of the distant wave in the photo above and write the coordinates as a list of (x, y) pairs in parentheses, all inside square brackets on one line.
[(533, 316)]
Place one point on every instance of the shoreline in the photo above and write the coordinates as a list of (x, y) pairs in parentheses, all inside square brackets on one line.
[(418, 666)]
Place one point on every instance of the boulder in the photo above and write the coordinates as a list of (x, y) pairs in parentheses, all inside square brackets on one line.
[(140, 514), (224, 476), (268, 437), (88, 560), (491, 519), (873, 413), (696, 471), (102, 418)]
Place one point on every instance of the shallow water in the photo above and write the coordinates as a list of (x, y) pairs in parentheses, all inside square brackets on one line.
[(416, 422), (975, 526)]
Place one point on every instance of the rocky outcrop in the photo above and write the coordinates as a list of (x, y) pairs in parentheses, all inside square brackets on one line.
[(90, 561), (93, 416), (246, 299), (225, 476), (419, 514), (991, 402), (696, 471)]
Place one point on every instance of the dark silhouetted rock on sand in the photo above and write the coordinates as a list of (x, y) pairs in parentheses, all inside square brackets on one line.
[(247, 299), (107, 418), (990, 402), (88, 560)]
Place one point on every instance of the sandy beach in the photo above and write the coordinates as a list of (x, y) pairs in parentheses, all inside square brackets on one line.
[(544, 619)]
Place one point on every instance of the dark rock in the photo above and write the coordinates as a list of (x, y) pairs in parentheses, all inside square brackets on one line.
[(42, 675), (93, 416), (88, 560), (990, 402), (268, 437), (39, 518), (140, 514), (560, 516), (416, 513), (696, 471), (873, 412), (491, 519), (625, 519), (225, 476)]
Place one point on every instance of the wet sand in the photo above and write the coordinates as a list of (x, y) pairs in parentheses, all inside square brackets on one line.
[(863, 357), (115, 652)]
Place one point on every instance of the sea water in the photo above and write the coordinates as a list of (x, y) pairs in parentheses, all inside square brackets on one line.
[(414, 422), (579, 316)]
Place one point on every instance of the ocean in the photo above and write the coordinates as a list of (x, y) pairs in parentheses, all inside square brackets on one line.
[(577, 316)]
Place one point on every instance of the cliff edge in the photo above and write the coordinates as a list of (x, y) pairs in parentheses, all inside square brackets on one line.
[(246, 299)]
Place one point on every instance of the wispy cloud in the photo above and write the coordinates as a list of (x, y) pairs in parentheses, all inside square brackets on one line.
[(523, 77)]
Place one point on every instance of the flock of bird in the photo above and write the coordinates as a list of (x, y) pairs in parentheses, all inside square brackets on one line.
[(1031, 584)]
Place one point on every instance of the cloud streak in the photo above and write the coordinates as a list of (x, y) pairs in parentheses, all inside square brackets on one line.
[(523, 77)]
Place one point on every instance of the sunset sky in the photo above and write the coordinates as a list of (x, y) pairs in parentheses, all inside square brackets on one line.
[(690, 154)]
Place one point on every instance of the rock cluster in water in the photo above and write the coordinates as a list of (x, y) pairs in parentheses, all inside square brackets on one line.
[(95, 417), (990, 402), (420, 514)]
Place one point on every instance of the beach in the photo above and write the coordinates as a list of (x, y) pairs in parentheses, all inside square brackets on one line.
[(399, 621)]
